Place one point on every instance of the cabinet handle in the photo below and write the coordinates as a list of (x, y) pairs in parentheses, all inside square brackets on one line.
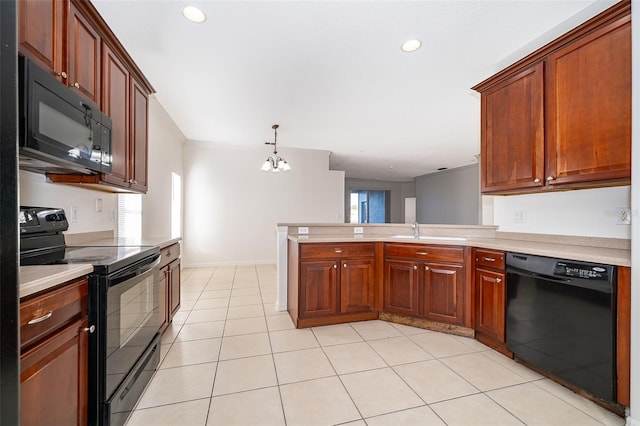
[(40, 319), (536, 180), (422, 253), (76, 85), (426, 268), (62, 74), (550, 178), (89, 329), (344, 265), (338, 250), (498, 280), (335, 266), (489, 259), (135, 182), (415, 267)]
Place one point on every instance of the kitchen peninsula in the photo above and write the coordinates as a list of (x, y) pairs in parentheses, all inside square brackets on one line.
[(447, 278)]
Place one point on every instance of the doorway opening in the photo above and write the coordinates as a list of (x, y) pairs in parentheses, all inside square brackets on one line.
[(369, 206)]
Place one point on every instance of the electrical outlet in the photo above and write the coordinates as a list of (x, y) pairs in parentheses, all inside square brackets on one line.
[(358, 230), (623, 216), (303, 229), (519, 216), (74, 214)]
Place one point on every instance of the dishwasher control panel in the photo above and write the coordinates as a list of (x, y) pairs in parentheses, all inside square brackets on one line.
[(580, 270)]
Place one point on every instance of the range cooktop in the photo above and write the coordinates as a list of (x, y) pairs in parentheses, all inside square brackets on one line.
[(103, 258)]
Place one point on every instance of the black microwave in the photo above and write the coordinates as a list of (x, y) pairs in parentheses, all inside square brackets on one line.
[(59, 131)]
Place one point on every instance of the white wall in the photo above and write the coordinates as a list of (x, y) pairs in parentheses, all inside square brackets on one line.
[(35, 191), (232, 208), (586, 212), (165, 156)]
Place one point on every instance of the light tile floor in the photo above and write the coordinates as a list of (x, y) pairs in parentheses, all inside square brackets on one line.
[(230, 359)]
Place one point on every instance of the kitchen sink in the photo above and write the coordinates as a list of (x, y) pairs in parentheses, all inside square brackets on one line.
[(425, 237)]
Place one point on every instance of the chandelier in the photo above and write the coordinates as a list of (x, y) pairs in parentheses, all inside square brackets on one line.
[(275, 163)]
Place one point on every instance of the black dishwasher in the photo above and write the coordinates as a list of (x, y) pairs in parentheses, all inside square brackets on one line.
[(561, 318)]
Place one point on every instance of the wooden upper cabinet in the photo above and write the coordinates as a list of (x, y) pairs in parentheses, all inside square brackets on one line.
[(83, 44), (560, 118), (41, 33), (139, 136), (115, 103), (589, 107), (71, 40), (513, 132)]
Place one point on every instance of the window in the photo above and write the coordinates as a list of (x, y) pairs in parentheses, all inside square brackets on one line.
[(130, 216), (369, 206), (176, 204)]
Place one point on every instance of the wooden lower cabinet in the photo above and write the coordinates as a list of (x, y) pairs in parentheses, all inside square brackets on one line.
[(319, 288), (426, 281), (54, 356), (401, 287), (335, 283), (491, 295), (490, 305), (442, 294), (170, 286)]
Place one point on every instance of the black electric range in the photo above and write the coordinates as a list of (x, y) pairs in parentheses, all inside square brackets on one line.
[(124, 307)]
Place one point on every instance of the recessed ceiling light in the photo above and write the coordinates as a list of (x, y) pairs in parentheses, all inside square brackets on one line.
[(411, 45), (194, 14)]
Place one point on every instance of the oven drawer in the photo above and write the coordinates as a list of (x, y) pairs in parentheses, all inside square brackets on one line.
[(425, 252), (335, 250), (45, 313), (169, 254), (490, 259)]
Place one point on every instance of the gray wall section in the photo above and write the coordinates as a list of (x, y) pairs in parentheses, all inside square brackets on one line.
[(449, 197), (399, 191)]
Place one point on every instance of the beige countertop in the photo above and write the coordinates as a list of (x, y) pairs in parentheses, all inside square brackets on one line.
[(598, 250), (34, 279)]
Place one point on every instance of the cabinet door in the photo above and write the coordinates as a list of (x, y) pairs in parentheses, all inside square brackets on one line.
[(589, 107), (174, 287), (401, 287), (53, 379), (318, 288), (356, 285), (139, 136), (115, 103), (164, 299), (83, 44), (41, 30), (442, 293), (512, 132), (490, 303)]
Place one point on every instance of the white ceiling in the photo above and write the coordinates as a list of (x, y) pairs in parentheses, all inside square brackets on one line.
[(332, 75)]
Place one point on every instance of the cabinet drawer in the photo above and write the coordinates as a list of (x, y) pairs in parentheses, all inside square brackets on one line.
[(169, 254), (425, 252), (48, 312), (490, 259), (335, 250)]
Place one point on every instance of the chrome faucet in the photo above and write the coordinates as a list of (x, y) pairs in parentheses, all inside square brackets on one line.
[(416, 230)]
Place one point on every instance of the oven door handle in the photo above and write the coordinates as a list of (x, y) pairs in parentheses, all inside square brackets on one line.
[(135, 270)]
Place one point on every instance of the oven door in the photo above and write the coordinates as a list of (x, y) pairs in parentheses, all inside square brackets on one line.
[(132, 318)]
